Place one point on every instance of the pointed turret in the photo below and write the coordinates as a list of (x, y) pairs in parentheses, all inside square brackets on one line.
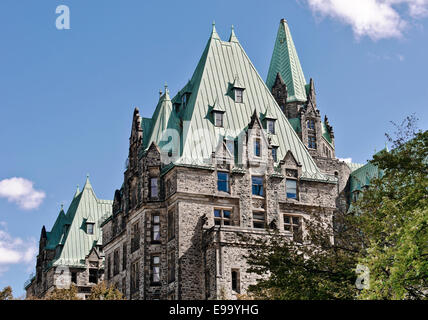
[(233, 37), (285, 61), (214, 34)]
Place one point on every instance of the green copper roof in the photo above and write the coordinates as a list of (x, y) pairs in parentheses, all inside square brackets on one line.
[(285, 61), (295, 123), (362, 176), (223, 62), (354, 166), (325, 133), (75, 242)]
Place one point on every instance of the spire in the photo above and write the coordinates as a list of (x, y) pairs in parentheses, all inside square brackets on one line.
[(285, 61), (214, 34), (166, 92), (87, 183), (233, 37)]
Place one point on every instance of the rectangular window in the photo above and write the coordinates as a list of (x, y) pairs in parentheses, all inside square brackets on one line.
[(156, 228), (218, 119), (89, 228), (135, 276), (154, 187), (135, 240), (275, 154), (74, 277), (257, 184), (171, 225), (312, 142), (230, 145), (116, 262), (239, 95), (311, 124), (259, 220), (257, 147), (171, 267), (124, 256), (236, 281), (293, 224), (223, 181), (222, 217), (93, 275), (271, 126), (291, 189), (155, 270)]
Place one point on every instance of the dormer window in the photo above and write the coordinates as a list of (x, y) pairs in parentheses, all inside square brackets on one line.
[(154, 190), (239, 95), (218, 119), (271, 126), (311, 124), (89, 228)]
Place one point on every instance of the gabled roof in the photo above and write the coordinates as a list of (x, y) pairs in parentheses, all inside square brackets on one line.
[(285, 61), (222, 62), (76, 243), (362, 176)]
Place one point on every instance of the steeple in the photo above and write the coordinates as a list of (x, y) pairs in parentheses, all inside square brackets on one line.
[(285, 61)]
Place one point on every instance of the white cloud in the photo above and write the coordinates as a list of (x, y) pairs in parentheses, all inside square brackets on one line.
[(21, 191), (376, 19), (15, 250), (347, 160)]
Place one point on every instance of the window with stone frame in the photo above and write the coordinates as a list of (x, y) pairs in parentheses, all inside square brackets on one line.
[(155, 270), (293, 224), (154, 187), (223, 181), (310, 124), (135, 239), (116, 262), (171, 267), (223, 217), (74, 277), (124, 256), (155, 228), (236, 281), (259, 219), (275, 154), (171, 224), (291, 188), (312, 142), (257, 145), (93, 275), (230, 145), (257, 185), (135, 276)]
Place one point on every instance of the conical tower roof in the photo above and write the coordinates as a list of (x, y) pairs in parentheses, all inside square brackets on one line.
[(285, 61)]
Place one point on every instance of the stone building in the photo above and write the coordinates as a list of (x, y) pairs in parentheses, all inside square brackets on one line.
[(228, 155), (71, 251)]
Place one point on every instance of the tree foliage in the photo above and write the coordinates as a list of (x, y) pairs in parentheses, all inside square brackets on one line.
[(6, 293), (103, 292), (63, 294), (393, 216), (386, 232)]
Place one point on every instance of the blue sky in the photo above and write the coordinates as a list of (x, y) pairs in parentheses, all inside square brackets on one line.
[(67, 96)]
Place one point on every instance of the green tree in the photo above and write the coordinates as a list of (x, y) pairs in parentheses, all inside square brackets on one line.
[(393, 217), (6, 293), (103, 292), (313, 266)]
